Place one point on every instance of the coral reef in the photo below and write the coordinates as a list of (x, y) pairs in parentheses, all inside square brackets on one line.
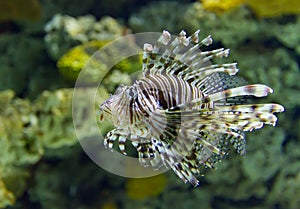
[(18, 147), (65, 32), (79, 57), (38, 127), (17, 115), (88, 35), (55, 113)]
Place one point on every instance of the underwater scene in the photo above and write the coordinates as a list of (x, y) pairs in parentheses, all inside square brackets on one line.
[(57, 55)]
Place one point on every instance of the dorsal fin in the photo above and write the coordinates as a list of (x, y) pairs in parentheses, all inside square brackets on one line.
[(181, 56), (150, 54)]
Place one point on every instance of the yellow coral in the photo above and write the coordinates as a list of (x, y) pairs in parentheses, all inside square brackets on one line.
[(220, 6), (262, 8), (141, 188), (268, 8), (71, 63)]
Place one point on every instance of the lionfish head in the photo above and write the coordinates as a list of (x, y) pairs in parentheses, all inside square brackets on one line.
[(114, 108)]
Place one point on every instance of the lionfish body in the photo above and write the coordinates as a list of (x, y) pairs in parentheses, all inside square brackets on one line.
[(185, 112)]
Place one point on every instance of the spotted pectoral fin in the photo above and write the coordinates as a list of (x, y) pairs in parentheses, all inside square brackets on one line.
[(250, 116), (112, 136), (228, 118), (149, 154), (183, 171), (184, 165), (217, 82), (202, 111)]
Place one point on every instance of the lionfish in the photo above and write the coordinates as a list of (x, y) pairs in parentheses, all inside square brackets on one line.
[(184, 112)]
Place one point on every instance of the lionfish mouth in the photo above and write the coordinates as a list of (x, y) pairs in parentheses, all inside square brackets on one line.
[(186, 111)]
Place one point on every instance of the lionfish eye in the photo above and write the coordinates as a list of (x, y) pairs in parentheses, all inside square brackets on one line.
[(131, 93), (101, 113)]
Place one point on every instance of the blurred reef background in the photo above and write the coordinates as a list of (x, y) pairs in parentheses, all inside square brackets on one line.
[(45, 43)]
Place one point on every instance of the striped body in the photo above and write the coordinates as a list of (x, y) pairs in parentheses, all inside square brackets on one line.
[(153, 93), (185, 112)]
